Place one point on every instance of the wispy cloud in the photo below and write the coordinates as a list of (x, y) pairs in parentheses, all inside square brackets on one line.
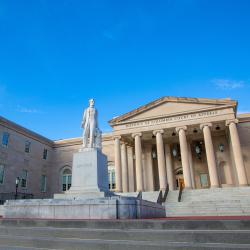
[(242, 111), (227, 84), (22, 109)]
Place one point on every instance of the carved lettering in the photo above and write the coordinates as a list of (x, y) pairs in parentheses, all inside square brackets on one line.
[(172, 118)]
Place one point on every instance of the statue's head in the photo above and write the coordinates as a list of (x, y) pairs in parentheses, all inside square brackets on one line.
[(91, 103)]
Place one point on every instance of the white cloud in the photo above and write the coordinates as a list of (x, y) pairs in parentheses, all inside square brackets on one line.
[(242, 111), (22, 109), (227, 84)]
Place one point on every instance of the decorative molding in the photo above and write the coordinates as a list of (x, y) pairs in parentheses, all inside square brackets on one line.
[(158, 131), (136, 134), (219, 102), (177, 129), (206, 125), (228, 122)]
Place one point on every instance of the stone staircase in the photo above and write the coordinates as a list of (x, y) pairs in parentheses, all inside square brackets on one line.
[(209, 202), (124, 234)]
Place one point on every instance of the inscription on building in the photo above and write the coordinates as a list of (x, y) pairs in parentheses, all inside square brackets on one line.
[(173, 119)]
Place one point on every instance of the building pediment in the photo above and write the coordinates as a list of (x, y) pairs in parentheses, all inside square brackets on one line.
[(170, 106)]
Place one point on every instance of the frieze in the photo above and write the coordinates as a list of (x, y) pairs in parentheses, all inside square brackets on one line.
[(173, 119)]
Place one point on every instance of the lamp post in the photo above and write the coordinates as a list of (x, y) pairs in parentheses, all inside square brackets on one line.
[(17, 183)]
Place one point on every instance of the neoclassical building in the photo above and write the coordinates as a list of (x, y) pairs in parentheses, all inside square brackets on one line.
[(191, 142)]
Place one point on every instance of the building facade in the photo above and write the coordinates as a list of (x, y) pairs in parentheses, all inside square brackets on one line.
[(191, 142)]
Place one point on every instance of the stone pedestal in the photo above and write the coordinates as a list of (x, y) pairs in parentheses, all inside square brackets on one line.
[(88, 197), (89, 176)]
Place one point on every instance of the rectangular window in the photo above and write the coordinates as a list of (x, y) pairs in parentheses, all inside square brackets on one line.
[(45, 154), (44, 183), (24, 177), (113, 179), (5, 139), (1, 174), (27, 146), (204, 180)]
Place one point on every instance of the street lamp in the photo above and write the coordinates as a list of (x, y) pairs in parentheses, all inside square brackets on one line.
[(17, 183)]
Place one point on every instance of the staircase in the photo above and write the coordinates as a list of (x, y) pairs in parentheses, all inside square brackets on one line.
[(124, 234), (209, 202)]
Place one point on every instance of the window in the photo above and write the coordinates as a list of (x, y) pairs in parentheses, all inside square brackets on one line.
[(204, 180), (43, 183), (24, 177), (111, 176), (27, 146), (5, 139), (66, 179), (45, 154), (1, 174)]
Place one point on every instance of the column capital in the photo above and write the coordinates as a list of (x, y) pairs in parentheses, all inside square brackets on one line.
[(228, 122), (209, 124), (161, 131), (124, 143), (177, 129), (117, 137), (136, 134)]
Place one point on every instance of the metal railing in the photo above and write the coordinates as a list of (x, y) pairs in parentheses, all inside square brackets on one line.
[(14, 196), (163, 196)]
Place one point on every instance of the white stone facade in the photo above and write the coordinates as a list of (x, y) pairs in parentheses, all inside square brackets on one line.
[(199, 143)]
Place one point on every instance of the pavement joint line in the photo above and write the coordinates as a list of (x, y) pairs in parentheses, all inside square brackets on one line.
[(173, 243), (132, 230), (21, 248)]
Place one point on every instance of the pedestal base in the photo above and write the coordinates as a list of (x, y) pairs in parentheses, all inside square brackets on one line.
[(101, 208)]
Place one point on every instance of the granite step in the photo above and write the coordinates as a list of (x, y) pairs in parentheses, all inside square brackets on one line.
[(19, 242), (201, 236), (159, 224)]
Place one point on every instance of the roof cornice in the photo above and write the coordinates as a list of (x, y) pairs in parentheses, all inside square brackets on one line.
[(162, 100)]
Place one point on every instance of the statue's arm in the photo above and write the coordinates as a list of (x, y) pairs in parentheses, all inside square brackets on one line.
[(96, 119), (84, 118)]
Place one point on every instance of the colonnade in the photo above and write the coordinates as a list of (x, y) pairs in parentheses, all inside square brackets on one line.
[(165, 164)]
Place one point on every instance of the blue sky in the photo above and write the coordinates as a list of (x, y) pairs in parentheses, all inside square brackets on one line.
[(55, 55)]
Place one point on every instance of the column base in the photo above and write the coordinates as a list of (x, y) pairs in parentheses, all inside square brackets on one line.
[(243, 185), (216, 186)]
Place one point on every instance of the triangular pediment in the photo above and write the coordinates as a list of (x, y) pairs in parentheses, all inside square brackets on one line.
[(168, 106)]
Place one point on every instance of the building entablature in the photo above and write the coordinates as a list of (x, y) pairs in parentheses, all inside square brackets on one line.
[(169, 115)]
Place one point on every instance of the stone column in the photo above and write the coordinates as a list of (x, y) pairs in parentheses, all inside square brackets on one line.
[(184, 156), (211, 162), (124, 159), (149, 166), (118, 177), (191, 165), (161, 159), (131, 179), (238, 159), (169, 166), (138, 161)]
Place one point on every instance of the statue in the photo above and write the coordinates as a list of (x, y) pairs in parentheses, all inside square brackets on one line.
[(92, 135)]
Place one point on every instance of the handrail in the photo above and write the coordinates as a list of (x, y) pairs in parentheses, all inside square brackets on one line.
[(180, 193), (139, 196), (14, 196), (162, 198)]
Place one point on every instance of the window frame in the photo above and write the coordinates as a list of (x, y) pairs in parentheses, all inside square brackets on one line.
[(68, 177), (45, 154), (26, 180), (27, 142), (8, 139), (43, 187), (3, 175)]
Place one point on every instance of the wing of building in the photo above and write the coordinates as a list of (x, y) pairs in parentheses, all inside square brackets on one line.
[(193, 142)]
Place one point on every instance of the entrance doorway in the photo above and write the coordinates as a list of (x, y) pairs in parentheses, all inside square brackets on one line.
[(179, 179)]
